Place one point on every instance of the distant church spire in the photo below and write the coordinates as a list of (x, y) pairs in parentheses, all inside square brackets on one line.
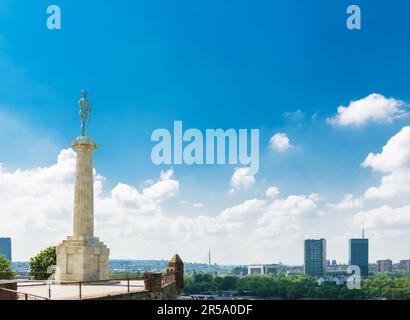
[(363, 233)]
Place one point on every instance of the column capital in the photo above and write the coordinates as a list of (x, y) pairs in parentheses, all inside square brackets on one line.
[(84, 142)]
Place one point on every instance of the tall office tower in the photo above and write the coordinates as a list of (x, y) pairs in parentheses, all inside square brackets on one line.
[(404, 265), (5, 247), (384, 265), (315, 257), (359, 255)]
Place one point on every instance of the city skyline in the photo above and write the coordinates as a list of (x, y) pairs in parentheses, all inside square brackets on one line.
[(331, 105), (356, 259)]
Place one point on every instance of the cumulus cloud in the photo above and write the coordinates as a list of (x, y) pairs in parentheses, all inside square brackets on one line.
[(384, 217), (394, 162), (38, 202), (386, 207), (348, 202), (272, 192), (280, 142), (293, 206), (373, 108), (242, 179), (394, 156), (244, 209), (36, 210)]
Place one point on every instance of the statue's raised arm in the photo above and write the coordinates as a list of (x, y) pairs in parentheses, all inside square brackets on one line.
[(85, 110)]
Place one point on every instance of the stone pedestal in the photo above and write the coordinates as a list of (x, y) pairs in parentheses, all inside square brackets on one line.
[(82, 257)]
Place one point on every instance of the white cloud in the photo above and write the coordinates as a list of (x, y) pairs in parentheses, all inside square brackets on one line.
[(395, 155), (166, 175), (36, 204), (386, 207), (384, 217), (242, 179), (292, 206), (36, 211), (395, 187), (348, 202), (163, 189), (394, 162), (245, 209), (280, 142), (373, 108), (272, 192)]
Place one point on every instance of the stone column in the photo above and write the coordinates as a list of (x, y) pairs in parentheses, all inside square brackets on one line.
[(83, 257), (84, 188)]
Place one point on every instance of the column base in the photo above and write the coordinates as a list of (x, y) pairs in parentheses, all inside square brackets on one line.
[(82, 259)]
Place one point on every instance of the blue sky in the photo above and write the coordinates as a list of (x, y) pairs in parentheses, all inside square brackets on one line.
[(211, 64)]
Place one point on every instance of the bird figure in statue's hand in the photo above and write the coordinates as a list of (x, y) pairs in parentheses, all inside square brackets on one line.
[(85, 110)]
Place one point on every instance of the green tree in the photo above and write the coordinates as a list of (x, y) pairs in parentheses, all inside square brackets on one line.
[(40, 264), (5, 270)]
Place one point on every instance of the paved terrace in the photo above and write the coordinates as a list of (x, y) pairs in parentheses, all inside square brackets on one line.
[(71, 291)]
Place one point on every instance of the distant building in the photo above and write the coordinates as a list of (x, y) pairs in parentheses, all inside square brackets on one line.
[(271, 268), (372, 268), (384, 265), (359, 255), (255, 269), (339, 280), (315, 257), (404, 265), (5, 247), (262, 269)]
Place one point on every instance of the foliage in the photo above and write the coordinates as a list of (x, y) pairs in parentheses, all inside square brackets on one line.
[(125, 275), (39, 265), (5, 271), (280, 286)]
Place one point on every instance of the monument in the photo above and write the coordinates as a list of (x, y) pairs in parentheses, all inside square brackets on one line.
[(83, 257)]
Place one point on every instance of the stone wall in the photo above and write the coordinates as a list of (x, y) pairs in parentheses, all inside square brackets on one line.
[(7, 295), (168, 292)]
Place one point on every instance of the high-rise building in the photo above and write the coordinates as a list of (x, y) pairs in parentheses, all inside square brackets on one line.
[(5, 247), (385, 265), (404, 265), (315, 257), (359, 255)]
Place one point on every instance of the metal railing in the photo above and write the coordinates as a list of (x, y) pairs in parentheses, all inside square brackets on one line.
[(16, 295), (53, 285)]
